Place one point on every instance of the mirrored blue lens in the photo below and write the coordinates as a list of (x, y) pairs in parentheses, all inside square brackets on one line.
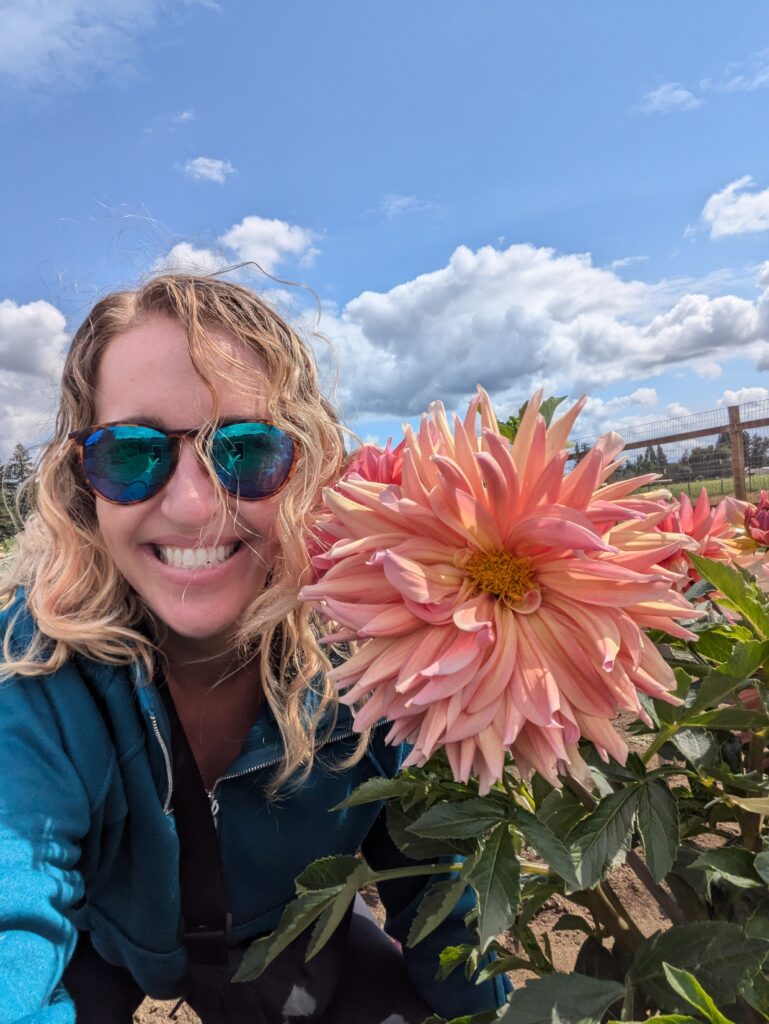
[(252, 460), (127, 463)]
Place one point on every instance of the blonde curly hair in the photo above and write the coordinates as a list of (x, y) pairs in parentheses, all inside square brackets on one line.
[(78, 598)]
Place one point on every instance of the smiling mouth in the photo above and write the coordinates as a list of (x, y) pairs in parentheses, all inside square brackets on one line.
[(196, 558)]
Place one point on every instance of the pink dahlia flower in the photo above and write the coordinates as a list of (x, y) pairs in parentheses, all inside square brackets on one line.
[(757, 520), (709, 527), (501, 604)]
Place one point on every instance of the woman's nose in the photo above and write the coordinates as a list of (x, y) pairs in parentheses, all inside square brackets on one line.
[(190, 498)]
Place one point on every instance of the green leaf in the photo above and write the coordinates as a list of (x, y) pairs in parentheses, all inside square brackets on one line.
[(696, 745), (756, 992), (549, 847), (762, 863), (437, 903), (574, 998), (757, 925), (332, 916), (496, 879), (740, 589), (327, 872), (716, 950), (560, 811), (466, 819), (658, 825), (598, 842), (548, 407), (728, 718), (661, 1018), (452, 957), (297, 916), (731, 863), (375, 789), (712, 644), (398, 822), (502, 965), (687, 986), (756, 805)]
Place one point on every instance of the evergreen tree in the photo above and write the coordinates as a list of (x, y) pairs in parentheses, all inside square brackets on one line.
[(18, 467)]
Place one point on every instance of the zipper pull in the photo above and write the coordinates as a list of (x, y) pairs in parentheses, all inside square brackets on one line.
[(214, 807)]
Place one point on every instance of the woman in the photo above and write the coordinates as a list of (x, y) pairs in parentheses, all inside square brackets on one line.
[(154, 646)]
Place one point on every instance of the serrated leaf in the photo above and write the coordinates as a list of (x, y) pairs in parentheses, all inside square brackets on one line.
[(297, 916), (375, 789), (450, 958), (561, 811), (398, 822), (437, 903), (495, 878), (687, 986), (728, 718), (716, 950), (332, 916), (756, 992), (598, 841), (502, 965), (696, 745), (466, 819), (327, 872), (658, 826), (757, 925), (575, 998), (751, 782), (732, 863), (740, 589), (711, 643), (549, 847), (548, 407)]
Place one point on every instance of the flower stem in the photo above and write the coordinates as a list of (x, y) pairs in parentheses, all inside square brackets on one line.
[(622, 930), (752, 824)]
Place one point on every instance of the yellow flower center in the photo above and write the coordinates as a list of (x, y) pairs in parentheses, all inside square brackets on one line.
[(501, 573)]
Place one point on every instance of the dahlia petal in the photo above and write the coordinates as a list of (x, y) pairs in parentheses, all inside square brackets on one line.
[(474, 615), (421, 583), (559, 430)]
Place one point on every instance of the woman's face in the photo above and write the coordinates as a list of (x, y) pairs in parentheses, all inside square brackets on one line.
[(146, 376)]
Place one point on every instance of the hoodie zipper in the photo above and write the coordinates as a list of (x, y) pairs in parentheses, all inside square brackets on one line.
[(212, 798), (167, 759)]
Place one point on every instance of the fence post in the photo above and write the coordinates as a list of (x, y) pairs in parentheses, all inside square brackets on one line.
[(738, 453)]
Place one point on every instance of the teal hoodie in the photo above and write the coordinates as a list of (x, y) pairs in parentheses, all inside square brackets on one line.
[(88, 841)]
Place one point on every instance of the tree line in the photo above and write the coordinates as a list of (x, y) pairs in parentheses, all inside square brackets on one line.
[(12, 474), (701, 462)]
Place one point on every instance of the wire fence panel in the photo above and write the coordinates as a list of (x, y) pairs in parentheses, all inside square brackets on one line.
[(724, 450)]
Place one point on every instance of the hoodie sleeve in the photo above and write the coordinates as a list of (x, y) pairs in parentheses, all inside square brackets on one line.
[(456, 995), (44, 815)]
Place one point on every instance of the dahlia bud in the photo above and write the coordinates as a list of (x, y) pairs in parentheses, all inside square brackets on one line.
[(757, 519)]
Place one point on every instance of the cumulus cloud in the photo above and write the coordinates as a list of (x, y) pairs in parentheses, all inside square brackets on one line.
[(33, 340), (269, 242), (742, 395), (65, 42), (712, 371), (206, 168), (670, 96), (266, 241), (675, 409), (186, 259), (520, 317), (737, 211)]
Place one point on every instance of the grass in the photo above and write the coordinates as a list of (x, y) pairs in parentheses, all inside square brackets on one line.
[(717, 487)]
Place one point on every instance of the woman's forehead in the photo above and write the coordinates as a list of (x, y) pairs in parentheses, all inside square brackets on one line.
[(148, 370)]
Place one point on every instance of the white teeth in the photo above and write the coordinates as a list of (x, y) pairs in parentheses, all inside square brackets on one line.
[(199, 558)]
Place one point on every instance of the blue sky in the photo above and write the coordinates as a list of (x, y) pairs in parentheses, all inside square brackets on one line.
[(512, 193)]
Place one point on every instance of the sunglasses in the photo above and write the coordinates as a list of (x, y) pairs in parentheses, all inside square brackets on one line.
[(126, 463)]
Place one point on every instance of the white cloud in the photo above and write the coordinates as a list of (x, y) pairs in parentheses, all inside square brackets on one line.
[(186, 259), (269, 242), (742, 395), (675, 409), (33, 340), (206, 168), (742, 76), (516, 318), (183, 115), (394, 205), (627, 261), (712, 371), (65, 42), (736, 211), (668, 97)]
